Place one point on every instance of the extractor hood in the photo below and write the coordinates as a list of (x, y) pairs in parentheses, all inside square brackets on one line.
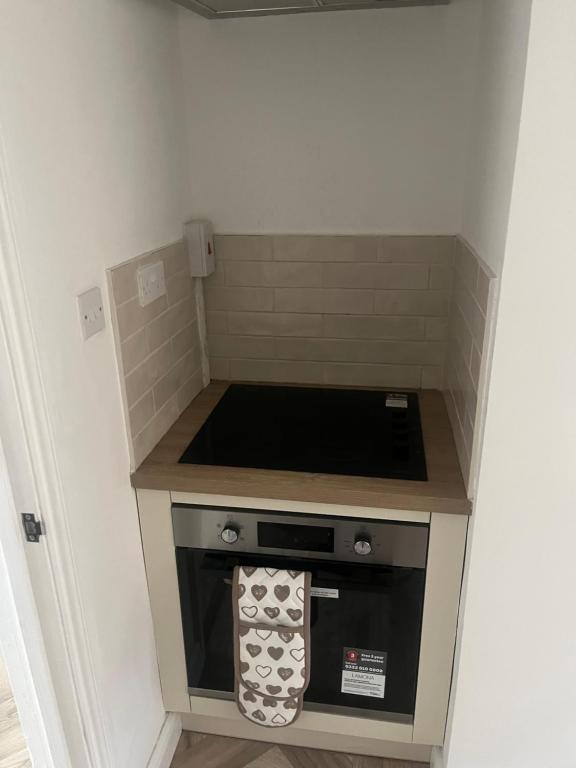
[(226, 9)]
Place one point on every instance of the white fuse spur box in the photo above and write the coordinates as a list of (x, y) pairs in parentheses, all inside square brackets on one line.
[(200, 241)]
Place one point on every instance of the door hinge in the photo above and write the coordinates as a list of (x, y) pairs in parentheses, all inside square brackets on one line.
[(33, 528)]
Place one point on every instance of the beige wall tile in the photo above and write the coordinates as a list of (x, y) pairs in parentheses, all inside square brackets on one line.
[(175, 258), (325, 248), (145, 376), (468, 430), (241, 347), (349, 374), (158, 345), (217, 322), (471, 397), (178, 287), (349, 275), (416, 303), (186, 341), (189, 390), (245, 273), (124, 283), (381, 276), (131, 317), (457, 431), (164, 327), (455, 388), (274, 324), (441, 277), (401, 276), (294, 274), (459, 333), (218, 277), (141, 413), (134, 350), (171, 382), (323, 300), (219, 369), (243, 247), (425, 249), (432, 377), (437, 328), (374, 327), (240, 299), (356, 351), (466, 266), (460, 380), (473, 294), (152, 433), (373, 289), (274, 274), (472, 313), (123, 277), (276, 370), (475, 365), (482, 292)]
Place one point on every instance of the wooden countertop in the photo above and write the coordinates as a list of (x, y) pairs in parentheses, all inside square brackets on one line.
[(443, 492)]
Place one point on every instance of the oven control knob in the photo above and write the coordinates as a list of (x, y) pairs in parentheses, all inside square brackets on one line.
[(363, 545), (229, 535)]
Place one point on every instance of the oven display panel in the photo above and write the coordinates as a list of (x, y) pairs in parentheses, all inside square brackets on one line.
[(304, 537)]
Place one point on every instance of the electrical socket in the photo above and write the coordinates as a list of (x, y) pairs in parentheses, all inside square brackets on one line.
[(151, 283), (91, 312)]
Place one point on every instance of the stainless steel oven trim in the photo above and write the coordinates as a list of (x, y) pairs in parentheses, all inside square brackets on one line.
[(398, 544)]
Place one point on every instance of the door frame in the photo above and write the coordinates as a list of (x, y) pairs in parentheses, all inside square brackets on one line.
[(22, 644), (51, 671)]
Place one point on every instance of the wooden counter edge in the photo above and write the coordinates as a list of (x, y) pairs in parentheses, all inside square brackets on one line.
[(153, 478)]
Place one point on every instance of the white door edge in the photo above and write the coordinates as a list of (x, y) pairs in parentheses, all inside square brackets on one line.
[(21, 642), (22, 366)]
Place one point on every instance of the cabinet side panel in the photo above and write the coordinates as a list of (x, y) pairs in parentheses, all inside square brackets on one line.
[(441, 602), (159, 555)]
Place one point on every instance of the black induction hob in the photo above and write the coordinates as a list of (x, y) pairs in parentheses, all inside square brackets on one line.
[(364, 433)]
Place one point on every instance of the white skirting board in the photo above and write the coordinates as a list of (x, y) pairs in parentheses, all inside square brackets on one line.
[(167, 742)]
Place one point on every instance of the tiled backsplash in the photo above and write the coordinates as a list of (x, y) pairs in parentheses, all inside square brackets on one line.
[(392, 311), (470, 335), (158, 345), (352, 310)]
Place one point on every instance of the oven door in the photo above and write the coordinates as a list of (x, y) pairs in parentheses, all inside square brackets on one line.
[(371, 608)]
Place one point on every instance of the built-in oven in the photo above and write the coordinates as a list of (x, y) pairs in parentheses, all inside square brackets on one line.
[(368, 579)]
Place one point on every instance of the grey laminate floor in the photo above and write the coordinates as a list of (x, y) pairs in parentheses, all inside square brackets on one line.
[(13, 751), (199, 751)]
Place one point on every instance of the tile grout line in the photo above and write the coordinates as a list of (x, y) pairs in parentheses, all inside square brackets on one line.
[(172, 397)]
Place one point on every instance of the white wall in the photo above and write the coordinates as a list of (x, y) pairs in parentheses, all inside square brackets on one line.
[(349, 122), (90, 121), (515, 694), (495, 120)]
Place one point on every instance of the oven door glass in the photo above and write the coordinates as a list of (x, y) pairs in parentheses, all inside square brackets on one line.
[(377, 608)]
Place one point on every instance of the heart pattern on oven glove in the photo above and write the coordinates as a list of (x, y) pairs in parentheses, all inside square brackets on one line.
[(272, 643)]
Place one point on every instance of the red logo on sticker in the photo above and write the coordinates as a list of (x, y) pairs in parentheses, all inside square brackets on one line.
[(351, 655)]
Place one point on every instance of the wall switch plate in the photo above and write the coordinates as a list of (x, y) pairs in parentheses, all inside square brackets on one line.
[(91, 312), (151, 283)]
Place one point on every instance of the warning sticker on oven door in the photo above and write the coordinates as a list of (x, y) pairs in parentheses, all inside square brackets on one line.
[(364, 672), (395, 400), (334, 594)]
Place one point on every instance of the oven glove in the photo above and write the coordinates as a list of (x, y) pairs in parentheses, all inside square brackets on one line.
[(271, 654)]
